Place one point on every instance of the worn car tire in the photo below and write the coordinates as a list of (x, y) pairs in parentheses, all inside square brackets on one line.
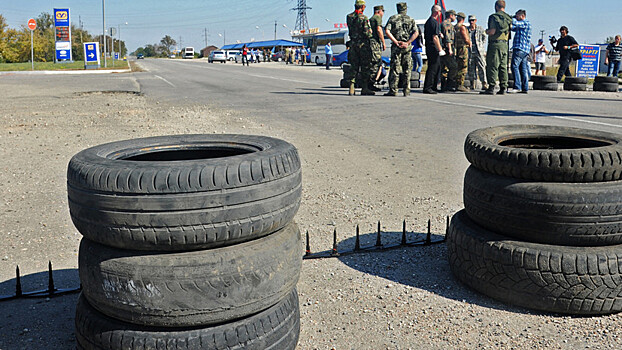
[(606, 87), (191, 288), (546, 153), (575, 86), (275, 328), (346, 67), (178, 193), (604, 79), (573, 214), (415, 76), (546, 86), (568, 280), (543, 79), (575, 80)]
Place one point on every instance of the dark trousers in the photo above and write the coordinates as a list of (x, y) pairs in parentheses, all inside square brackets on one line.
[(564, 68), (245, 59), (329, 61), (434, 69)]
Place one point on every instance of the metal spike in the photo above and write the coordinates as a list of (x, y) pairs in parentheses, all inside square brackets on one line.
[(334, 251), (357, 242), (308, 250), (18, 283), (404, 233), (51, 288), (378, 239), (428, 239)]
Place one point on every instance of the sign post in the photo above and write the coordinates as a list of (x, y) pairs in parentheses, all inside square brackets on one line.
[(91, 55), (588, 65), (62, 27), (32, 25)]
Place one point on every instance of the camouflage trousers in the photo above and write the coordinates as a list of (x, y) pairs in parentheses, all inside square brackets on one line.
[(360, 61), (462, 64), (376, 59), (477, 69), (401, 67), (448, 71)]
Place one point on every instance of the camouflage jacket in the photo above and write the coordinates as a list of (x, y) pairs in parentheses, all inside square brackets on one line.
[(374, 22), (359, 28), (449, 33), (478, 39), (401, 26)]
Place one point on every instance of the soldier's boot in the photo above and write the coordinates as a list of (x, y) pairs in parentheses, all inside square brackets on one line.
[(351, 91), (406, 92), (365, 90), (443, 84), (489, 91), (461, 88), (373, 87)]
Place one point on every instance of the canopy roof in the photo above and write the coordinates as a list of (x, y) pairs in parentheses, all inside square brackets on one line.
[(257, 44)]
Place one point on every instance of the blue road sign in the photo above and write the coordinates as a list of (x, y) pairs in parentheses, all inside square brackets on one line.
[(91, 53), (63, 50), (61, 17), (588, 66), (116, 55)]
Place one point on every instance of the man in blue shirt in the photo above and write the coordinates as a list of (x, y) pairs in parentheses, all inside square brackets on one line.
[(329, 55), (520, 51)]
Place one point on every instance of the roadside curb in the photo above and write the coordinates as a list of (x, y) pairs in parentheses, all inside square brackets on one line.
[(62, 72)]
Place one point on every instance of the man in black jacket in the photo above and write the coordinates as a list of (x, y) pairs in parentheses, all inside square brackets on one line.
[(564, 45)]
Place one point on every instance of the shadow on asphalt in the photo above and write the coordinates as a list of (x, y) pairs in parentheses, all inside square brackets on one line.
[(506, 113), (422, 267), (587, 99)]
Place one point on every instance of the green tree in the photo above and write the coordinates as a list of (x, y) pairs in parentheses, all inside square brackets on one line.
[(167, 43)]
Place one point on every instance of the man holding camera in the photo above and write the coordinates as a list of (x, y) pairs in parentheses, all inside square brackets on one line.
[(564, 45)]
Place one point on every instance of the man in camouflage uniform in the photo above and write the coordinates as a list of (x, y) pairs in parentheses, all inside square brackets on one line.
[(377, 45), (359, 55), (462, 44), (402, 31), (499, 24), (477, 62), (448, 62)]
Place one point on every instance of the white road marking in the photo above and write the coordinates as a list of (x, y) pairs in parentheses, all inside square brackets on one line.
[(166, 81), (534, 114)]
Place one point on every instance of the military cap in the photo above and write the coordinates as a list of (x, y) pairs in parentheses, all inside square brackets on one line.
[(359, 3), (461, 15), (401, 6), (378, 8), (450, 12), (472, 17)]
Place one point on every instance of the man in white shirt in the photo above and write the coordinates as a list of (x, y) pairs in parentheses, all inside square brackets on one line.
[(540, 57)]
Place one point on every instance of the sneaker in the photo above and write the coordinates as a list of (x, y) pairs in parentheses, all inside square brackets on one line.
[(523, 92)]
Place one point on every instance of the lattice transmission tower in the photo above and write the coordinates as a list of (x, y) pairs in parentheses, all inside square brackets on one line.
[(301, 21)]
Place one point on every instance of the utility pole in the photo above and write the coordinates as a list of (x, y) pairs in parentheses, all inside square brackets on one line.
[(104, 30), (181, 47), (542, 35), (274, 29), (205, 37)]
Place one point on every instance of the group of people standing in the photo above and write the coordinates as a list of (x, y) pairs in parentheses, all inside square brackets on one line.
[(296, 55), (254, 55)]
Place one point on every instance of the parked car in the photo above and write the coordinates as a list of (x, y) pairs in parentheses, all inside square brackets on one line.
[(140, 56), (278, 56), (342, 58), (219, 56), (232, 54)]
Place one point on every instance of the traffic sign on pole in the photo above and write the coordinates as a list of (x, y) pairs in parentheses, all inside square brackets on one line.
[(32, 25), (91, 55)]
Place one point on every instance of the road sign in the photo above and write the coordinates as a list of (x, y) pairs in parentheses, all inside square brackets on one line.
[(116, 55), (588, 65), (32, 24), (63, 50), (61, 17), (91, 54)]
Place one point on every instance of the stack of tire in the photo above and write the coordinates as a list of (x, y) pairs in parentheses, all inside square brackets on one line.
[(415, 80), (542, 225), (544, 82), (575, 84), (607, 84), (347, 77), (188, 243)]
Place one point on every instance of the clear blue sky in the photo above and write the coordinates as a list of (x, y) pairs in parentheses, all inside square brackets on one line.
[(149, 20)]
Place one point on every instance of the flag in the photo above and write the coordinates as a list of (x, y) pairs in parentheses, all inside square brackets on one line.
[(441, 3)]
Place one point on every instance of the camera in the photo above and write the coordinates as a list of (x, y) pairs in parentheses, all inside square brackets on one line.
[(553, 40)]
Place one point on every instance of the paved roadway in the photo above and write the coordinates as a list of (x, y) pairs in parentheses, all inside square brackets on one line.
[(432, 126)]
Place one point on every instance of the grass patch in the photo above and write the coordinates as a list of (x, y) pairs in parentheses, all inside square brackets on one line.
[(10, 67)]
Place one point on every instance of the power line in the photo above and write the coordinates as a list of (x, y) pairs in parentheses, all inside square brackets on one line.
[(301, 21)]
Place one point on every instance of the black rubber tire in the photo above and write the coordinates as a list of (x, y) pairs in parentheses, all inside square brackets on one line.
[(575, 86), (224, 189), (575, 80), (604, 79), (543, 79), (346, 68), (344, 83), (573, 214), (546, 86), (275, 328), (546, 153), (415, 76), (568, 280), (415, 84), (191, 288), (606, 87)]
